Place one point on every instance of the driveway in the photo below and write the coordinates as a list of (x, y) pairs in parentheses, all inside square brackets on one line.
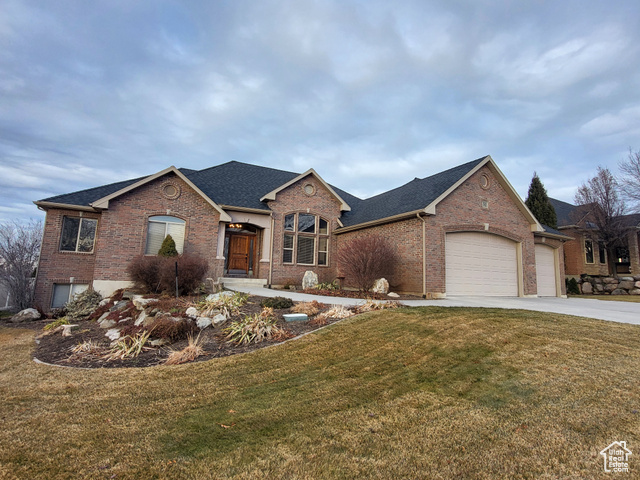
[(624, 312)]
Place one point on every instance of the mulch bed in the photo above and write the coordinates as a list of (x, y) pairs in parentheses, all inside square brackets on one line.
[(56, 349)]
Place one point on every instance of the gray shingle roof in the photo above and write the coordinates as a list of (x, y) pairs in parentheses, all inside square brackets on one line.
[(563, 212), (243, 185)]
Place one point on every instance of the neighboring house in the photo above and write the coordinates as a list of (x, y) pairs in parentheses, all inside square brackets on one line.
[(464, 231), (584, 254)]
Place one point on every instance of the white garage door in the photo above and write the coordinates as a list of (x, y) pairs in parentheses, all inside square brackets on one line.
[(481, 264), (545, 271)]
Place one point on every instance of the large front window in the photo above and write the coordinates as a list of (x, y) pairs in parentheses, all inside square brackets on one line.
[(78, 234), (588, 251), (306, 240), (159, 227)]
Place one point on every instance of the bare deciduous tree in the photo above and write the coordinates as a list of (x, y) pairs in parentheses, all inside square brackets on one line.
[(19, 250), (601, 195), (630, 181)]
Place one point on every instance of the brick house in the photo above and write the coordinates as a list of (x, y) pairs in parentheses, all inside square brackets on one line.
[(461, 231), (584, 254)]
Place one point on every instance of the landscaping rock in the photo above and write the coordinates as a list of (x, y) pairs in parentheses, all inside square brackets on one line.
[(104, 301), (158, 342), (599, 288), (310, 280), (113, 334), (140, 302), (637, 284), (626, 284), (124, 320), (587, 288), (216, 296), (627, 279), (610, 287), (141, 318), (635, 291), (122, 304), (203, 322), (66, 330), (381, 286), (192, 312), (107, 323), (393, 295), (609, 280), (103, 316), (218, 319), (619, 291), (27, 315)]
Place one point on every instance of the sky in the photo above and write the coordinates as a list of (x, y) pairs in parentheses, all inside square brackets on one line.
[(368, 93)]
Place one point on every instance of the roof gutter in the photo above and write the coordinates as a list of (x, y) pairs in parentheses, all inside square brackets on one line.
[(381, 221), (46, 205)]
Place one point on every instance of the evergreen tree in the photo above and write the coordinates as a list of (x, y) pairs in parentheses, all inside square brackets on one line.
[(539, 204), (168, 248)]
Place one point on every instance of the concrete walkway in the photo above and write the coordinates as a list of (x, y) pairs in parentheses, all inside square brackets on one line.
[(623, 312)]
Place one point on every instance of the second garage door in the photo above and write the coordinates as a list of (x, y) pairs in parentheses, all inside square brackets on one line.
[(481, 264), (545, 271)]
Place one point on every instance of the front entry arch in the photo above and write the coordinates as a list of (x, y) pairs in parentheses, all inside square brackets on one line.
[(240, 250)]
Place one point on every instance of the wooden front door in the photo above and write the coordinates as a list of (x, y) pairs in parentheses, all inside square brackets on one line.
[(239, 253)]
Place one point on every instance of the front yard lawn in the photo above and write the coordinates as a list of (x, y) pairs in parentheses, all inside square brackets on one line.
[(410, 393)]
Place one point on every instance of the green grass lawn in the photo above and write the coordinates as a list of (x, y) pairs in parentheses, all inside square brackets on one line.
[(410, 393)]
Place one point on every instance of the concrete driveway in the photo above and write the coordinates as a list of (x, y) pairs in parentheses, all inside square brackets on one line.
[(624, 312)]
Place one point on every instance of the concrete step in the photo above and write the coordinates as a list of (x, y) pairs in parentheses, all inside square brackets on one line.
[(230, 282)]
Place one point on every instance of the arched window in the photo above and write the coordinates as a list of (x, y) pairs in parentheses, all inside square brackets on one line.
[(159, 227), (306, 239)]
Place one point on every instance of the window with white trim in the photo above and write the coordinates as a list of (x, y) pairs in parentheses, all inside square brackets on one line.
[(78, 234), (588, 251), (63, 293), (159, 227), (306, 240)]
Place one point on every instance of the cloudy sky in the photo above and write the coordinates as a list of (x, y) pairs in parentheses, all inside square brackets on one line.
[(369, 93)]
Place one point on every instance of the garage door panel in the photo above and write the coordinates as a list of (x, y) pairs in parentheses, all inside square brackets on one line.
[(545, 271), (480, 264)]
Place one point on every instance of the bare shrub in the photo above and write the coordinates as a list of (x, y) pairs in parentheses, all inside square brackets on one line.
[(156, 274), (308, 308), (168, 329), (364, 260)]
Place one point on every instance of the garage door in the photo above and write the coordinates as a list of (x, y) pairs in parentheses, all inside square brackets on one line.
[(481, 264), (545, 271)]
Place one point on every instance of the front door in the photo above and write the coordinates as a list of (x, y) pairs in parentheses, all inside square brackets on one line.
[(239, 253)]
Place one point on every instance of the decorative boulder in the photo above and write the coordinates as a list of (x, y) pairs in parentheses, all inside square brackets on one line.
[(626, 284), (635, 291), (141, 302), (113, 334), (216, 296), (192, 312), (203, 322), (310, 280), (218, 319), (610, 287), (107, 323), (141, 318), (380, 286), (393, 295), (609, 280), (619, 291), (587, 288), (27, 315)]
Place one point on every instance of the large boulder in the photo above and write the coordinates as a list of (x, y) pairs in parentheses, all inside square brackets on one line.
[(381, 285), (587, 288), (203, 322), (216, 296), (192, 312), (609, 280), (310, 280), (626, 284), (27, 315), (619, 291), (635, 291), (610, 287)]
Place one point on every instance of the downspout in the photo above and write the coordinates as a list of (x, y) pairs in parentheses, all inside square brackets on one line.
[(271, 253), (424, 256)]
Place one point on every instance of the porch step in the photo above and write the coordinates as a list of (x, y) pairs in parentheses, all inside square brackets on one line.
[(230, 282)]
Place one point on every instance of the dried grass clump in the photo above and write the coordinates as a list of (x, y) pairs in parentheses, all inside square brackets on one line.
[(255, 328), (338, 311), (226, 305), (370, 306), (88, 348), (128, 347), (188, 354), (309, 308)]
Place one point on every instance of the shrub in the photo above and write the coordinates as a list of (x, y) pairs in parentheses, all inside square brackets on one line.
[(171, 330), (572, 287), (277, 303), (155, 274), (168, 247), (82, 305), (370, 305), (188, 354), (226, 305), (255, 328), (128, 347), (364, 260), (327, 286), (55, 324)]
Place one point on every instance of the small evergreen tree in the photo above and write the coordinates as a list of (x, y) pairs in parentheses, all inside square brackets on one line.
[(539, 204), (168, 247)]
